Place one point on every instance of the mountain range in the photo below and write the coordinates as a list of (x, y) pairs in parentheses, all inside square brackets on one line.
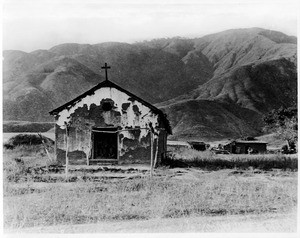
[(216, 86)]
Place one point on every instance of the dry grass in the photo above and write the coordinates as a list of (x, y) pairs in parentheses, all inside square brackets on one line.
[(17, 161), (89, 202), (209, 160)]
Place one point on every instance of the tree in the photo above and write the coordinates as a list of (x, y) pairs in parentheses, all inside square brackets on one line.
[(284, 122)]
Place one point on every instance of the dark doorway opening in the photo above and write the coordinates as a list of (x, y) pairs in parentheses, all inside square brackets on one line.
[(105, 144)]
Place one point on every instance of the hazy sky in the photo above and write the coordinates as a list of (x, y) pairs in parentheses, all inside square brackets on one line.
[(40, 24)]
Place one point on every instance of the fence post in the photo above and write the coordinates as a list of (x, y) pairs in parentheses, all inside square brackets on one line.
[(67, 158), (156, 150), (45, 147), (151, 159)]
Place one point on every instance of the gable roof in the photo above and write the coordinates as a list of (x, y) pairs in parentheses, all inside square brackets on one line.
[(110, 84)]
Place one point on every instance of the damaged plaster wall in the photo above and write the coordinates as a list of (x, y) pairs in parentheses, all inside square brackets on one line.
[(136, 114), (107, 107)]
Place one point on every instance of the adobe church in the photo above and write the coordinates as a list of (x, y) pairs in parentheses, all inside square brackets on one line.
[(109, 125)]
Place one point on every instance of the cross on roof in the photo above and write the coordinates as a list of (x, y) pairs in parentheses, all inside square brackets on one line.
[(105, 67)]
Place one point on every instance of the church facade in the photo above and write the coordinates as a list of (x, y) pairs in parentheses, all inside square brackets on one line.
[(109, 125)]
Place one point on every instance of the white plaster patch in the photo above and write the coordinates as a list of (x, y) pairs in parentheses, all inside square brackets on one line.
[(144, 133), (128, 135)]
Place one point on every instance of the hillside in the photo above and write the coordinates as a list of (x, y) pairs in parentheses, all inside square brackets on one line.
[(259, 86), (209, 120), (245, 69), (253, 68)]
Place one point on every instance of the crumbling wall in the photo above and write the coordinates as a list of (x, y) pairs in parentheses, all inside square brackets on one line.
[(107, 107), (79, 145), (134, 146)]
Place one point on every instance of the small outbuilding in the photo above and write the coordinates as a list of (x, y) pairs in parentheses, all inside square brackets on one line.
[(109, 125), (246, 147), (198, 145)]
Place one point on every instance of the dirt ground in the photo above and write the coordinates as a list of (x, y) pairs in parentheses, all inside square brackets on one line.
[(233, 223)]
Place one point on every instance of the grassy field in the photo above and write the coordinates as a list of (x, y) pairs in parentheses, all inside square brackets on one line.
[(208, 160), (30, 204), (208, 185), (26, 126)]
